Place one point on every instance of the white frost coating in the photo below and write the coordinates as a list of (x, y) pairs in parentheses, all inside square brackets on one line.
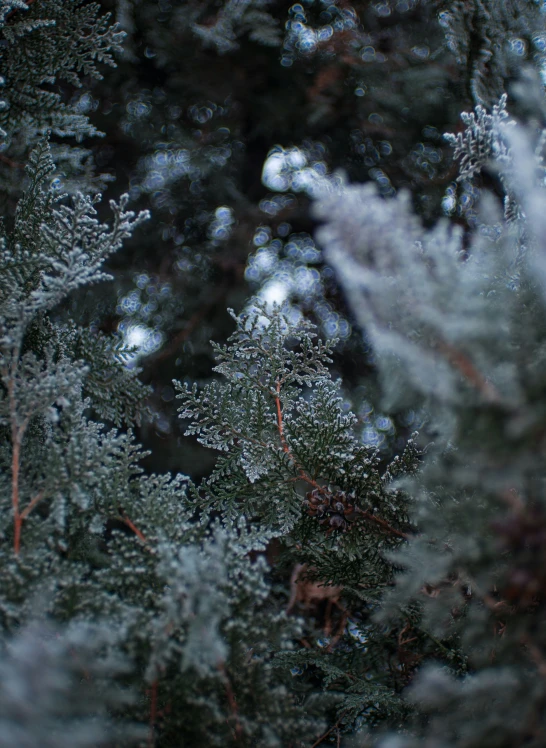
[(426, 311)]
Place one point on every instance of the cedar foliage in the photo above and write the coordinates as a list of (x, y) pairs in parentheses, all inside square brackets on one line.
[(311, 588)]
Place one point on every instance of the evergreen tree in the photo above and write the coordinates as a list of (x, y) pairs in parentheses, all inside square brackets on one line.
[(311, 587)]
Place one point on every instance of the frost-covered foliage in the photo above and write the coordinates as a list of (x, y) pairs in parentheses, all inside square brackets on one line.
[(481, 143), (280, 422), (108, 575), (457, 325), (50, 41), (292, 464), (44, 47), (87, 537), (56, 685), (178, 572), (311, 588), (55, 466)]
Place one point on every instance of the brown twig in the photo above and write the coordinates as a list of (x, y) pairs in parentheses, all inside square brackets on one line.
[(153, 713), (280, 425), (10, 163), (18, 430), (401, 641), (382, 523), (131, 525), (330, 731), (18, 515), (17, 433), (232, 701), (36, 500), (17, 521), (302, 475)]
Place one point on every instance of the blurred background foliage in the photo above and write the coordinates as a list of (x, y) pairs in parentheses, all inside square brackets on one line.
[(216, 118)]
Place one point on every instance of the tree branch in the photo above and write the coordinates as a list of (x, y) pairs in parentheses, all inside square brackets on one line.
[(307, 478)]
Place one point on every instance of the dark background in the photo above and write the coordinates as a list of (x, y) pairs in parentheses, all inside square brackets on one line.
[(199, 99)]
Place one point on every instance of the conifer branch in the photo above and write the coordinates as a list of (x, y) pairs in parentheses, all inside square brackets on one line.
[(28, 3), (303, 475), (446, 314)]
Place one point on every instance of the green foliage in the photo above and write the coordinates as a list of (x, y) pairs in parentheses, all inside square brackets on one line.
[(46, 47), (311, 587), (197, 614), (278, 441), (51, 41), (292, 465)]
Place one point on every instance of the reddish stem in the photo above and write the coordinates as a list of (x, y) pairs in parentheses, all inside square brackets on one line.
[(140, 535), (382, 523), (17, 519), (10, 163), (36, 500), (330, 731), (17, 433), (153, 712), (280, 427), (461, 362), (232, 701)]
